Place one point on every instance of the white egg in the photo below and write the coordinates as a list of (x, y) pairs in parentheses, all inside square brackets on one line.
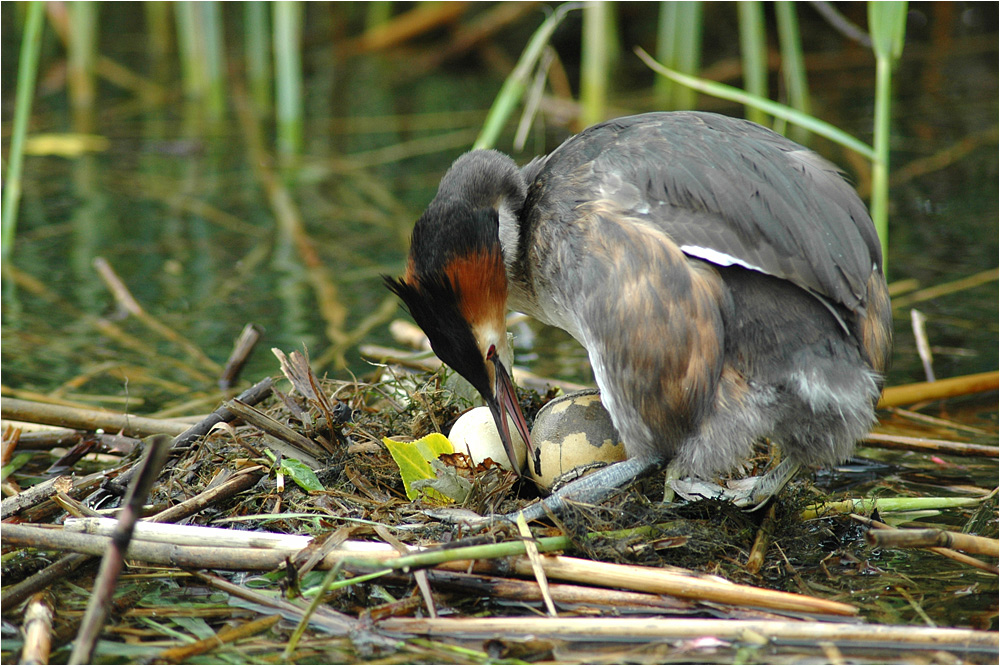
[(570, 432), (475, 434)]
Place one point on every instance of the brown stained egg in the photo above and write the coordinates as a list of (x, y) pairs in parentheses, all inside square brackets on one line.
[(475, 433), (570, 432)]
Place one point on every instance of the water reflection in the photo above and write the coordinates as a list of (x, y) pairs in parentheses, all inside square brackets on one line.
[(178, 207)]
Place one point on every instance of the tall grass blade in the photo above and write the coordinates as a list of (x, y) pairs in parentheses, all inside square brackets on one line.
[(257, 53), (158, 25), (514, 86), (27, 73), (679, 48), (214, 64), (288, 76), (81, 56), (887, 25), (189, 45), (792, 63), (379, 12), (753, 54), (722, 91), (594, 62)]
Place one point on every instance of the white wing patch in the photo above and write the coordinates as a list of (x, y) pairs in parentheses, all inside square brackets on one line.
[(718, 258)]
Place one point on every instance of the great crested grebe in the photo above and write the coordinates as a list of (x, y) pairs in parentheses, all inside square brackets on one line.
[(726, 282)]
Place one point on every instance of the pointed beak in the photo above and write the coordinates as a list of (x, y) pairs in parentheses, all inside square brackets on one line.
[(504, 403)]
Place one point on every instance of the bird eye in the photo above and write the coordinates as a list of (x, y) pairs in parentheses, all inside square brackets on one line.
[(491, 352)]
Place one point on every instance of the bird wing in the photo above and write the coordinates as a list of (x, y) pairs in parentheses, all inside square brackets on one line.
[(724, 190)]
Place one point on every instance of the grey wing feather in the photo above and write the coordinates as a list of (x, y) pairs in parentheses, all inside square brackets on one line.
[(728, 191)]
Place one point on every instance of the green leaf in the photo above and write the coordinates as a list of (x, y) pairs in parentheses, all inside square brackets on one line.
[(887, 26), (413, 459), (298, 472), (196, 626), (301, 474)]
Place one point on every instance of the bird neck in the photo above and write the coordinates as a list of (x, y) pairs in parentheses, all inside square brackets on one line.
[(489, 179)]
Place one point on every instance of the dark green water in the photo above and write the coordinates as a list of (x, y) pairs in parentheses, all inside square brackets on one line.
[(173, 204)]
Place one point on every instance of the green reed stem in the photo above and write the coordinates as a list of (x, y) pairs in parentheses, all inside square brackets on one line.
[(27, 73), (667, 44), (678, 46), (82, 54), (379, 12), (594, 64), (189, 45), (514, 86), (887, 24), (722, 91), (288, 76), (157, 27), (201, 47), (257, 52), (753, 53), (215, 59), (792, 62)]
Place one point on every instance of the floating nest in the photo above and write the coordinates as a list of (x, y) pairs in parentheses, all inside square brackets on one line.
[(442, 587)]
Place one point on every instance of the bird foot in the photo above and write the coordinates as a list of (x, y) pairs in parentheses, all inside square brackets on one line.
[(749, 493)]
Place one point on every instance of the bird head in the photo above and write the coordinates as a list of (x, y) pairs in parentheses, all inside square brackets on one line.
[(455, 287)]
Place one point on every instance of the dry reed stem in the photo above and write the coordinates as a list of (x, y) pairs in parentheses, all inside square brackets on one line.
[(39, 505), (476, 30), (300, 444), (944, 447), (87, 419), (37, 630), (34, 495), (629, 577), (243, 347), (406, 26), (915, 637), (989, 275), (932, 538), (946, 552), (537, 568), (660, 581), (563, 593), (113, 562), (936, 421), (939, 390)]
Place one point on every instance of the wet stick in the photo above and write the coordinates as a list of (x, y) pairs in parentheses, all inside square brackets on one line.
[(114, 557), (87, 419), (125, 299), (31, 284), (946, 552), (618, 629)]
